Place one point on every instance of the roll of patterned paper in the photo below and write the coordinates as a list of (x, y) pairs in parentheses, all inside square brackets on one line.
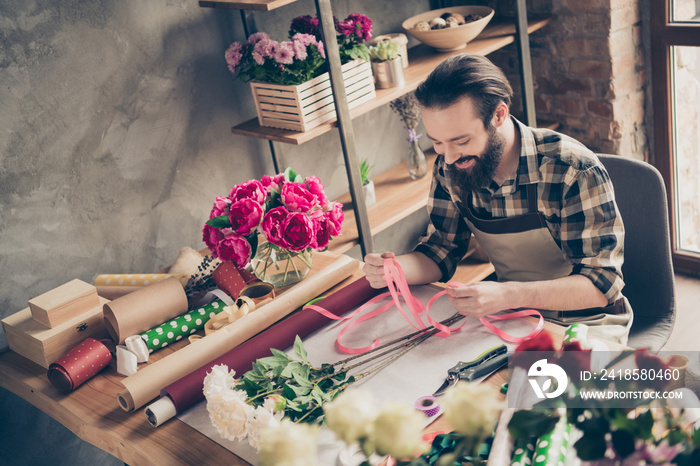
[(182, 326), (79, 365), (187, 391), (113, 286), (146, 384), (552, 447), (143, 309), (523, 451), (232, 280)]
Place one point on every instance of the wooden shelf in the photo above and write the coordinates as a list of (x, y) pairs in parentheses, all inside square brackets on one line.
[(259, 5), (422, 60)]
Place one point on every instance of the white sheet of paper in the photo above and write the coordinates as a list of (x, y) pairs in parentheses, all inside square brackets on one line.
[(417, 373)]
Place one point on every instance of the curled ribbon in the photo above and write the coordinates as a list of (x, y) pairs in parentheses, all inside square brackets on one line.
[(398, 291)]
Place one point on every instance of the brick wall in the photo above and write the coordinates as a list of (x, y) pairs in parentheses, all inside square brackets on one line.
[(589, 72)]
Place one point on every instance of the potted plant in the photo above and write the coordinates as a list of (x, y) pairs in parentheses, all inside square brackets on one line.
[(367, 183), (289, 79), (387, 65)]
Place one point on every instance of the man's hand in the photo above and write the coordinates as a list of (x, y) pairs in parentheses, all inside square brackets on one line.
[(478, 299), (374, 268)]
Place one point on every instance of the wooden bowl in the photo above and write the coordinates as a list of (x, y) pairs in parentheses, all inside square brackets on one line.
[(451, 38)]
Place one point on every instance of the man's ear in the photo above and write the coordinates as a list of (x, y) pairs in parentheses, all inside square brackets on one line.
[(500, 115)]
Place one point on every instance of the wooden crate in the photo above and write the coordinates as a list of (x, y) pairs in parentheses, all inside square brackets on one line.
[(307, 105), (43, 345)]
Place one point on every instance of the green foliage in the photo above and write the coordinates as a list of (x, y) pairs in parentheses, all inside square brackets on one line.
[(384, 51), (365, 168), (304, 387)]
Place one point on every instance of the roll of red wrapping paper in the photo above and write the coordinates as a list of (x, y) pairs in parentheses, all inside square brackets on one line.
[(79, 365), (187, 391)]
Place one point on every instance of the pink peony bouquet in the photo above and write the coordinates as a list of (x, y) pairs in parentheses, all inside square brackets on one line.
[(300, 58), (290, 212)]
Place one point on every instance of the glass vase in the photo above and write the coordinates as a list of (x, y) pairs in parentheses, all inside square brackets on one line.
[(417, 165), (281, 267)]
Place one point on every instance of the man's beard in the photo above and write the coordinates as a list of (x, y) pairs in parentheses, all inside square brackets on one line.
[(481, 173)]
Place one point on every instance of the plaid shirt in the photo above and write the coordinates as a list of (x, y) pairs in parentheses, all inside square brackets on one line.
[(574, 194)]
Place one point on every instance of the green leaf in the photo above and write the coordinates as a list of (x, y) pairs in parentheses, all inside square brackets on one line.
[(623, 442), (253, 241), (290, 175), (299, 349), (591, 446), (288, 393), (526, 423), (221, 221), (281, 356)]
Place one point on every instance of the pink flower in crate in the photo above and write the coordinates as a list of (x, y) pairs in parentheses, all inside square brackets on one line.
[(285, 53), (236, 249), (335, 218), (272, 225), (316, 188), (304, 39), (321, 230), (261, 50), (299, 48), (233, 56), (211, 237), (220, 207), (358, 25), (297, 198), (253, 190), (272, 183), (245, 216), (298, 231), (257, 37)]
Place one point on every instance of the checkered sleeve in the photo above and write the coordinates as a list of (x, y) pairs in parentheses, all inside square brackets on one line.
[(447, 239), (592, 233)]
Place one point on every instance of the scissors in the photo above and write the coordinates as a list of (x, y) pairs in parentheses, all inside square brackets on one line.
[(487, 362)]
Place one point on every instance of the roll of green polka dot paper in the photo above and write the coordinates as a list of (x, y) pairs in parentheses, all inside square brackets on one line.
[(179, 328), (552, 448), (523, 451)]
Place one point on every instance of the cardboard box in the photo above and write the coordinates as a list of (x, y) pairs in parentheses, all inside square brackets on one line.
[(43, 345), (63, 303)]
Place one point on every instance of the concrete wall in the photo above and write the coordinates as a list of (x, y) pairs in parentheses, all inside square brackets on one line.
[(115, 139)]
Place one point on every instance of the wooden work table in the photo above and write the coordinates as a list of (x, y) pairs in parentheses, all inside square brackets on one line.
[(92, 413)]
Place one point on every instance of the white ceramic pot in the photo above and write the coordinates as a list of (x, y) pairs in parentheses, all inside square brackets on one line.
[(368, 190)]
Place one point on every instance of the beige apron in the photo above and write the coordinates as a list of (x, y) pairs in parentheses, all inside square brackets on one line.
[(521, 248)]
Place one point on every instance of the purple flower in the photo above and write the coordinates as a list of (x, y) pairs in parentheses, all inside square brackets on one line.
[(357, 25), (304, 24), (233, 56), (257, 37), (284, 53)]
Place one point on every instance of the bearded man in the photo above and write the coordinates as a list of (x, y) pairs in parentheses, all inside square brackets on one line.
[(540, 204)]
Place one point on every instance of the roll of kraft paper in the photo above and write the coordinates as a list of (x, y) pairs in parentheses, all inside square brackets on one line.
[(182, 326), (143, 309), (187, 391), (79, 365), (142, 387)]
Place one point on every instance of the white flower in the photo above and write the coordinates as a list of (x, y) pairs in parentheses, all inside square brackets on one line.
[(288, 444), (220, 379), (261, 419), (229, 413), (398, 431), (351, 415), (472, 409)]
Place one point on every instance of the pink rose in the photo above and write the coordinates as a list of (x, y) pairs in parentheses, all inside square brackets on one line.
[(220, 207), (335, 218), (253, 190), (298, 231), (245, 216), (236, 249), (316, 188), (321, 231), (211, 237), (272, 183), (297, 198), (272, 225)]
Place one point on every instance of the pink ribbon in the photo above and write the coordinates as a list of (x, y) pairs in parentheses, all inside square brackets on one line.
[(400, 291)]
